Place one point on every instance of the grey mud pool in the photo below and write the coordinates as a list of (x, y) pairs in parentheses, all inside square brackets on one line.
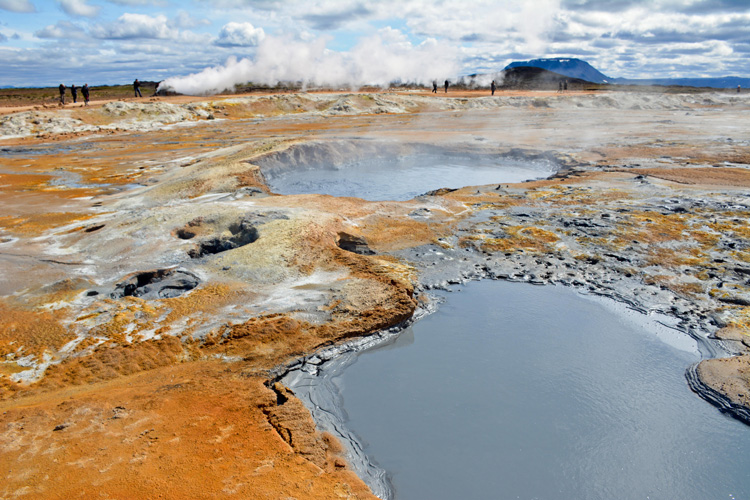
[(514, 391), (402, 177)]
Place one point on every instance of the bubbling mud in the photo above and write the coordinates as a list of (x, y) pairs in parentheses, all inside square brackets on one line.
[(377, 171)]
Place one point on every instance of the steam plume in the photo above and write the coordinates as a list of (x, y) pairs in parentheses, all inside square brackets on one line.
[(380, 59)]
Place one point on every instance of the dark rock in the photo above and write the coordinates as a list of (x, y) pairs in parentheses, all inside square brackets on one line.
[(184, 233), (740, 301), (439, 192), (355, 244)]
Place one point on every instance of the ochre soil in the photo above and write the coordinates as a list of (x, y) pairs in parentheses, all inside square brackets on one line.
[(729, 376), (193, 430)]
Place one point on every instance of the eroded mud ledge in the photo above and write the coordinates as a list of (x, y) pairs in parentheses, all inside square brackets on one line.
[(658, 223)]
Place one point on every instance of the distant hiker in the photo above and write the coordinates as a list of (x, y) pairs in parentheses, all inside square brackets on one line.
[(492, 86), (74, 92), (137, 88), (446, 86), (434, 87), (85, 92), (565, 86)]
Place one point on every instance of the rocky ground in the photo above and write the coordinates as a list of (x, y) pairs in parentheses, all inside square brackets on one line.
[(152, 282)]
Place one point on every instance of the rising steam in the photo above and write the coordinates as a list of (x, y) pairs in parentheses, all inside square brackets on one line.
[(381, 59)]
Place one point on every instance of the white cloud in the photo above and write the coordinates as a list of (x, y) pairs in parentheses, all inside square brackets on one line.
[(134, 3), (131, 26), (240, 35), (79, 8), (184, 20), (64, 30), (17, 5)]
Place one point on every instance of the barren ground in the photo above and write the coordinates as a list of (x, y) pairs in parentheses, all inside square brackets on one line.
[(151, 280)]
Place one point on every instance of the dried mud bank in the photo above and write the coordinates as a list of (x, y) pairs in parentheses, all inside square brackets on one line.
[(165, 256)]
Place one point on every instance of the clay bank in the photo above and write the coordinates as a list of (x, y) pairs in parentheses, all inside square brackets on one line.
[(149, 303)]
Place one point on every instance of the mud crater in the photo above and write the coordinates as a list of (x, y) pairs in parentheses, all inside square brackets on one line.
[(213, 236), (392, 170), (156, 284)]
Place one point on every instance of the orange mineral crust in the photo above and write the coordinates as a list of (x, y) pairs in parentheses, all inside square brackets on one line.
[(194, 430)]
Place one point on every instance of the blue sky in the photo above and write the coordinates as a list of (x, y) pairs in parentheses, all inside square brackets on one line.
[(45, 42)]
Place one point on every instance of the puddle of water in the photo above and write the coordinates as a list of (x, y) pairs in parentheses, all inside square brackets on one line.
[(404, 177), (517, 391), (45, 149)]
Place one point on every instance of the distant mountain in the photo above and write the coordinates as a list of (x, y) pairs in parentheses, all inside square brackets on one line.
[(571, 67), (576, 68), (724, 82), (531, 78)]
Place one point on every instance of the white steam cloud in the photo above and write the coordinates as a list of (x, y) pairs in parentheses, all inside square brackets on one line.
[(381, 59)]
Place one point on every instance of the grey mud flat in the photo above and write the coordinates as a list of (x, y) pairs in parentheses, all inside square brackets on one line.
[(515, 390)]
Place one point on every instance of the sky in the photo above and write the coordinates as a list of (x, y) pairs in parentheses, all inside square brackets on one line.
[(205, 43)]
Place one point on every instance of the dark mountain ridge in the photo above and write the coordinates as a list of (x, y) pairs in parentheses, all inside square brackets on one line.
[(577, 68), (570, 67)]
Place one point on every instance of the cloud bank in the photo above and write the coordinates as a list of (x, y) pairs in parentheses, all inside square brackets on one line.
[(115, 41), (17, 5)]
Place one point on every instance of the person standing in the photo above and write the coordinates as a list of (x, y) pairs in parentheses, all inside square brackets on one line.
[(137, 88), (493, 87), (446, 86), (85, 93), (74, 92), (434, 87), (62, 94)]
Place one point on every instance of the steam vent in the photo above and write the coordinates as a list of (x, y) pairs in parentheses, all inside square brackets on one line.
[(167, 263)]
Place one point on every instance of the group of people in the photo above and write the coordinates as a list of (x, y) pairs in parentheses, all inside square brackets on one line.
[(493, 87), (74, 93), (85, 92), (434, 87)]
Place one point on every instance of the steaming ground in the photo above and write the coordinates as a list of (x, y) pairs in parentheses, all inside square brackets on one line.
[(145, 117), (152, 279)]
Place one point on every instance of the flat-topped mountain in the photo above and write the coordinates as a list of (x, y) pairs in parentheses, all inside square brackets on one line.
[(577, 68), (530, 78), (570, 67)]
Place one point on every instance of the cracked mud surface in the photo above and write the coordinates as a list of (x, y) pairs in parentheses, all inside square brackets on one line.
[(227, 280)]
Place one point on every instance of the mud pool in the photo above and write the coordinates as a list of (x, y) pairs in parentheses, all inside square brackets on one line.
[(519, 391), (404, 177)]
